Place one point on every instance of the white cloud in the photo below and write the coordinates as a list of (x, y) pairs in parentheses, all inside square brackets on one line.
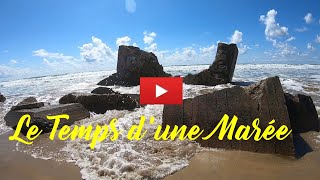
[(52, 56), (207, 54), (183, 55), (188, 55), (131, 6), (193, 55), (5, 51), (273, 29), (302, 29), (208, 50), (310, 47), (243, 49), (149, 37), (97, 51), (236, 37), (13, 61), (284, 49), (275, 34), (290, 39), (6, 72), (152, 48), (123, 41), (308, 18), (47, 62), (95, 55), (50, 63), (317, 39), (56, 59), (189, 52)]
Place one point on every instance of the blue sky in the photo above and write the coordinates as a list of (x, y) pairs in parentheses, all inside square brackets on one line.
[(41, 37)]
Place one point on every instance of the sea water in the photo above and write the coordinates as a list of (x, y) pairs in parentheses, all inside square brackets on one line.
[(147, 158)]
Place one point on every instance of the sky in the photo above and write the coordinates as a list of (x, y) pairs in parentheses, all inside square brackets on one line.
[(45, 37)]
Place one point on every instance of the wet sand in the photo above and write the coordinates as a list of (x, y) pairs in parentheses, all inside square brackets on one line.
[(211, 164), (17, 165), (246, 165), (223, 164)]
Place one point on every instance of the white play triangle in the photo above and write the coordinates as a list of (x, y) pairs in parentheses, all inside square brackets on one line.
[(160, 91)]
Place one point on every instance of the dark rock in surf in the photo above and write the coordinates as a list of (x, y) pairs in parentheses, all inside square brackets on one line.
[(134, 63), (302, 112), (28, 103), (39, 116), (136, 98), (2, 98), (28, 100), (222, 69), (28, 106), (264, 100), (103, 90), (100, 103)]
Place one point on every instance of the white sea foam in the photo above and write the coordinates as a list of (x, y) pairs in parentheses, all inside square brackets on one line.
[(124, 159), (126, 90), (291, 84), (190, 91), (315, 77), (318, 139)]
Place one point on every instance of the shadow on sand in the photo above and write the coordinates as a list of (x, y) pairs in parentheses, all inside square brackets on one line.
[(301, 146)]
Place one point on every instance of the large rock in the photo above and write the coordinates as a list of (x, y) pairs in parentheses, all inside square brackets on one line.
[(100, 103), (103, 90), (134, 63), (136, 98), (264, 100), (302, 112), (271, 104), (222, 69), (28, 106), (28, 100), (38, 116), (28, 103), (2, 98)]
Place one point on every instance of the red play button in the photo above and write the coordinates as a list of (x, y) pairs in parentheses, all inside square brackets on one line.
[(160, 90)]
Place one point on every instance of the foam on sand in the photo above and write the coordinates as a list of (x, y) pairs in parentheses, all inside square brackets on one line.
[(131, 159)]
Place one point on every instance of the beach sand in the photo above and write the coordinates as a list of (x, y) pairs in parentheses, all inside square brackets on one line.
[(17, 165), (208, 164), (246, 165), (224, 164)]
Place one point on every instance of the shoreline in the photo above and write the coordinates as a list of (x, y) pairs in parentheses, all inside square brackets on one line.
[(218, 163), (233, 164), (18, 165)]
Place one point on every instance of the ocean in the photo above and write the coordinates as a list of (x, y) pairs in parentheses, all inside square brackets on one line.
[(124, 159)]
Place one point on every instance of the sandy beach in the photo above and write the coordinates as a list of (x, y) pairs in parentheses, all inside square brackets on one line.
[(17, 165), (246, 165), (222, 164), (208, 164)]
